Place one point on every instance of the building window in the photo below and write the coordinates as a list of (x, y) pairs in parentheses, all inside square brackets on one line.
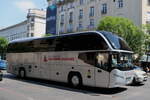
[(70, 27), (120, 3), (32, 34), (148, 18), (32, 19), (91, 23), (104, 8), (81, 14), (147, 22), (62, 8), (61, 30), (148, 30), (62, 20), (71, 5), (81, 2), (80, 26), (28, 35), (148, 2), (32, 26), (28, 27), (70, 17), (91, 11)]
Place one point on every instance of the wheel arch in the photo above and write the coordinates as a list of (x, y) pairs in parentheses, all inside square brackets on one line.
[(74, 73)]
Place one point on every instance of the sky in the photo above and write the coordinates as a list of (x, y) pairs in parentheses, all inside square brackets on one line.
[(15, 11)]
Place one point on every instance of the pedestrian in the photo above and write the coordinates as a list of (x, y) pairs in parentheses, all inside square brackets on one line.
[(147, 69)]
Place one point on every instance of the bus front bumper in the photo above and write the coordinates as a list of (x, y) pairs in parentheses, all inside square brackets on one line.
[(120, 82)]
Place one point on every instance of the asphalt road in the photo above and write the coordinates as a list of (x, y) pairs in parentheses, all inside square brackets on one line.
[(13, 88)]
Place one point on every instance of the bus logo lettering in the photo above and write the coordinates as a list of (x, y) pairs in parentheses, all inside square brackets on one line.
[(58, 59)]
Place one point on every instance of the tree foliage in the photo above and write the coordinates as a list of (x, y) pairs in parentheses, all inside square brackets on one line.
[(146, 28), (124, 28), (46, 35), (3, 46)]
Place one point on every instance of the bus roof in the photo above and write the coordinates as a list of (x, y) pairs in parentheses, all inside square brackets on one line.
[(23, 39), (33, 38), (111, 39)]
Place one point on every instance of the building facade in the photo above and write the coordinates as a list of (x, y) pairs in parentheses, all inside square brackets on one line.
[(81, 15), (33, 26)]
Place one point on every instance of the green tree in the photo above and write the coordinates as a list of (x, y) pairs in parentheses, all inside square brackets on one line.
[(126, 29), (46, 35), (147, 43), (3, 47), (146, 28)]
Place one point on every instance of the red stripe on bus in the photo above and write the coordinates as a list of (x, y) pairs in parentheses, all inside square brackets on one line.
[(61, 59)]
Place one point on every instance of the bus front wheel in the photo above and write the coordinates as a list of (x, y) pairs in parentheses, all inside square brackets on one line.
[(75, 80)]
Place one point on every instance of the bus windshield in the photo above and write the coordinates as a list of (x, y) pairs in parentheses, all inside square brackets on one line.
[(115, 41), (122, 61)]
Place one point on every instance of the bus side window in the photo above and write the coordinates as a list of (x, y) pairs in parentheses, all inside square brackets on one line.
[(88, 58), (102, 60)]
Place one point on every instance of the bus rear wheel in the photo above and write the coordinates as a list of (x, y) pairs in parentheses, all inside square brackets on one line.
[(22, 73), (75, 80)]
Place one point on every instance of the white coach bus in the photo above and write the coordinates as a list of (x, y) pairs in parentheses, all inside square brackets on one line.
[(94, 58)]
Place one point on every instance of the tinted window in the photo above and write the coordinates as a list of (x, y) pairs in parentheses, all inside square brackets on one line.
[(124, 45), (37, 45), (97, 59), (90, 42), (115, 41), (76, 42), (102, 61), (79, 42), (88, 58), (43, 45), (17, 47)]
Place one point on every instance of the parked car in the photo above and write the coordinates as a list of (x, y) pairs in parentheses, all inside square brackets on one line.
[(140, 76), (3, 64), (145, 62), (1, 75)]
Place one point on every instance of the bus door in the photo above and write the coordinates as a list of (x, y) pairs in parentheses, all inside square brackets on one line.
[(86, 63), (101, 70)]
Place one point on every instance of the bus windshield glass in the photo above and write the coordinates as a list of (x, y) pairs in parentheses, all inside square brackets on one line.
[(122, 61), (115, 41)]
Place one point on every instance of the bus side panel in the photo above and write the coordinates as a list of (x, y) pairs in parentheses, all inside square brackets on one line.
[(102, 78), (26, 62), (45, 65), (62, 63), (56, 66), (32, 64), (88, 74), (15, 60), (11, 58)]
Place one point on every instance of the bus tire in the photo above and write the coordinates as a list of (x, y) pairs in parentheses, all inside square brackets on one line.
[(1, 79), (75, 80), (22, 73)]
